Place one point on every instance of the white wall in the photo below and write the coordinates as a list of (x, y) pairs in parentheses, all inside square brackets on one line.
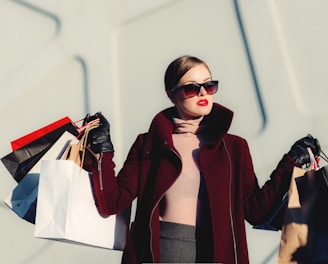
[(62, 58)]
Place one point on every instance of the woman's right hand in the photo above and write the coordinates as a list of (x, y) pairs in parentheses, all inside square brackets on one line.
[(99, 138)]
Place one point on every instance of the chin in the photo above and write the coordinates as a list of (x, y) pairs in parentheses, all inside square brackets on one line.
[(205, 111)]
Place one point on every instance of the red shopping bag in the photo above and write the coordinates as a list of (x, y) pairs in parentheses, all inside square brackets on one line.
[(26, 139), (21, 160)]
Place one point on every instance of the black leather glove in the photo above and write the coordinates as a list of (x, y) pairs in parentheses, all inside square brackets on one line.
[(99, 138), (299, 150)]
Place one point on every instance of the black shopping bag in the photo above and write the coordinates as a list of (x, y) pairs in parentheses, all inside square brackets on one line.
[(20, 161)]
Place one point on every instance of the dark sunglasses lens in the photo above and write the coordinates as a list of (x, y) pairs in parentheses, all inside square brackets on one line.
[(211, 87), (191, 90)]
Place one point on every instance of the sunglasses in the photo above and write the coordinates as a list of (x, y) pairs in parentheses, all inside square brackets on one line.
[(193, 89)]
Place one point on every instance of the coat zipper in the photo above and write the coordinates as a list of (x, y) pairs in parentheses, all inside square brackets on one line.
[(100, 172), (230, 203), (152, 212)]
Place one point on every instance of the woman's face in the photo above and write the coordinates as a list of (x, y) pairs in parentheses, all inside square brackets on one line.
[(199, 105)]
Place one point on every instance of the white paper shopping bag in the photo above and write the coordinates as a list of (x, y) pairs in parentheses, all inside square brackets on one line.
[(66, 209), (22, 199)]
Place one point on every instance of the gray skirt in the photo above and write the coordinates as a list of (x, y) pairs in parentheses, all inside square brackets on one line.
[(177, 243)]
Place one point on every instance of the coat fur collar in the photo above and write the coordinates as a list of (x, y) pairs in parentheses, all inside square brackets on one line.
[(217, 123)]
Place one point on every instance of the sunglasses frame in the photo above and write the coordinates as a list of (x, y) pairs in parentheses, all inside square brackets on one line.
[(206, 85)]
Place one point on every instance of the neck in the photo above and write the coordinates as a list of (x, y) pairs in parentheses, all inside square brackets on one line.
[(187, 126)]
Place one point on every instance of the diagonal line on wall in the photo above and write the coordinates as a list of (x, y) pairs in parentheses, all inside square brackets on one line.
[(41, 11), (251, 65)]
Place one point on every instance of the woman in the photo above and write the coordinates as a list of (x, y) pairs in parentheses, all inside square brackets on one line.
[(195, 182)]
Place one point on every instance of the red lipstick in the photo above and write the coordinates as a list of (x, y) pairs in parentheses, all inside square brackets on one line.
[(202, 102)]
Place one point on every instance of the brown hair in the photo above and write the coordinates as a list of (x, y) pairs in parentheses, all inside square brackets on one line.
[(178, 68)]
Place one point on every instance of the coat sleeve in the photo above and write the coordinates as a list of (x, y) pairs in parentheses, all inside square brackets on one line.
[(114, 193), (260, 201)]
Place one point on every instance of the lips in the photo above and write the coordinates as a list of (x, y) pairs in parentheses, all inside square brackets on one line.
[(202, 102)]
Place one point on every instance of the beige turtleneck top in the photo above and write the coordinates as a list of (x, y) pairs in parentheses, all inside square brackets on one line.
[(180, 202)]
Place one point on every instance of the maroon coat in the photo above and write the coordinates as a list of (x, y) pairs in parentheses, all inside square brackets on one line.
[(153, 165)]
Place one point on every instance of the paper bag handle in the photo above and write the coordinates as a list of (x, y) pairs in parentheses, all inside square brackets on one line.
[(73, 151)]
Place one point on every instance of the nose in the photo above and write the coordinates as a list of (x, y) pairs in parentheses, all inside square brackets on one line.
[(202, 91)]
